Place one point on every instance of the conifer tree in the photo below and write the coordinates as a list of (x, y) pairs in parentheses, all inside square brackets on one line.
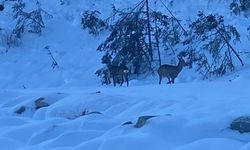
[(211, 37)]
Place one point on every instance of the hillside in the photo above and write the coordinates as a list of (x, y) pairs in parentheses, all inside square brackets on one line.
[(192, 114)]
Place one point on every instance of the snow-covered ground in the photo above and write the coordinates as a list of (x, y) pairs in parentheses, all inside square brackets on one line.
[(190, 115)]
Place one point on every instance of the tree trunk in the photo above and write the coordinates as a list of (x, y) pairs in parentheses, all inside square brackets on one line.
[(157, 43), (149, 32)]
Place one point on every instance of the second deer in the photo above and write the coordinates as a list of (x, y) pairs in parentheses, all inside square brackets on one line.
[(117, 73), (171, 71)]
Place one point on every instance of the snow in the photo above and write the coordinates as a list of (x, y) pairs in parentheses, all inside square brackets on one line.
[(190, 115)]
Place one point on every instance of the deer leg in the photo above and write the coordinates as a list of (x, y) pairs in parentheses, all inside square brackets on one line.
[(109, 81), (127, 80), (122, 80), (160, 79), (114, 80), (105, 81), (173, 80), (169, 81)]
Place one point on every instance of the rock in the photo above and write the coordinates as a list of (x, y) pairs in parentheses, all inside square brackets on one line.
[(127, 123), (86, 112), (141, 121), (241, 124), (40, 102), (20, 110)]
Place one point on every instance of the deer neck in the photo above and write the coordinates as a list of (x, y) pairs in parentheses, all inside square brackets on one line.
[(179, 66)]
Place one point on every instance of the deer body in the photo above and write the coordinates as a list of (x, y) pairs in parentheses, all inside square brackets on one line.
[(170, 71), (118, 74)]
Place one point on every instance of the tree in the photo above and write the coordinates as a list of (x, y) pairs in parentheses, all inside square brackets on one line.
[(1, 7), (245, 5), (127, 42), (92, 22), (28, 21), (138, 36), (212, 38), (129, 38), (238, 6)]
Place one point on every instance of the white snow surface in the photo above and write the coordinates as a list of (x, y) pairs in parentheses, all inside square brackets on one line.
[(191, 114)]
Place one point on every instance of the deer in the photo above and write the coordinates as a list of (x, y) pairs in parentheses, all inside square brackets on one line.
[(117, 73), (171, 71)]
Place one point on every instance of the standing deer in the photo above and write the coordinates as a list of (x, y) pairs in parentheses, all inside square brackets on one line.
[(170, 71), (117, 73)]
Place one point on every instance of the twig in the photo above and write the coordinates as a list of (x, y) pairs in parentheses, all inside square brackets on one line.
[(170, 12), (54, 63), (131, 11)]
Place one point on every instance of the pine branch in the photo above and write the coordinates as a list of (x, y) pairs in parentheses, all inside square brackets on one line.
[(231, 47)]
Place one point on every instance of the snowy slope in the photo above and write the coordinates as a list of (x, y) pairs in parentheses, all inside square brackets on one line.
[(29, 65), (75, 50), (191, 115)]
